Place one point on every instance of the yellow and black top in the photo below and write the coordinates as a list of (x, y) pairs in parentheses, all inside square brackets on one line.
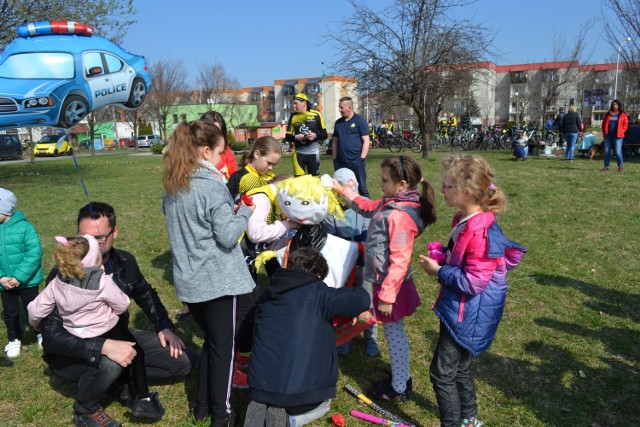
[(272, 195), (304, 123), (246, 179)]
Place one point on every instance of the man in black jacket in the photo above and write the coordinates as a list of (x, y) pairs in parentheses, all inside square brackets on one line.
[(96, 363), (294, 362)]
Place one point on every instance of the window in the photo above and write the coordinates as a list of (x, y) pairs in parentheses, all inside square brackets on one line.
[(312, 89), (113, 63), (41, 65), (92, 61), (518, 77), (288, 90), (552, 75)]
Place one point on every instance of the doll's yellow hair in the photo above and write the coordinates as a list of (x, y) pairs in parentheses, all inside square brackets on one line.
[(307, 187)]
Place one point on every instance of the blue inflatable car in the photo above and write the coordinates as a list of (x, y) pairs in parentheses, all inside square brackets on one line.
[(57, 72)]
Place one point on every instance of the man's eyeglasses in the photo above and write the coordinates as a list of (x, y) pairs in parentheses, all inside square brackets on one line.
[(103, 236)]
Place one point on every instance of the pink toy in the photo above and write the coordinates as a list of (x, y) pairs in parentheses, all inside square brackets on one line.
[(375, 420), (436, 252)]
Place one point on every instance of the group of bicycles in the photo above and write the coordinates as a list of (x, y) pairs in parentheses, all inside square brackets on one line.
[(397, 142), (465, 138)]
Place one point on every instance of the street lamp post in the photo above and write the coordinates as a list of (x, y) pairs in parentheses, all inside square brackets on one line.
[(368, 83), (517, 118), (615, 89)]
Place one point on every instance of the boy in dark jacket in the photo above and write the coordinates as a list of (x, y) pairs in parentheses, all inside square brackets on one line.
[(294, 363)]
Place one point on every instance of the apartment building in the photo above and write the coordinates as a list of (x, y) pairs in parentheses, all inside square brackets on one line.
[(532, 92), (275, 102)]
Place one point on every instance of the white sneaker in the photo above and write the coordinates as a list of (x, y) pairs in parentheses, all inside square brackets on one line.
[(39, 338), (13, 349)]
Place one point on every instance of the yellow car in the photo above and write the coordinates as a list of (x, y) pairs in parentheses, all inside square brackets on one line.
[(53, 145)]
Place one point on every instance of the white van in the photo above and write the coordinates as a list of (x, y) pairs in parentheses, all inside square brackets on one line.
[(148, 141)]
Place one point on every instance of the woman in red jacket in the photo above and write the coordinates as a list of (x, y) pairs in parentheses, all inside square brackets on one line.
[(614, 126)]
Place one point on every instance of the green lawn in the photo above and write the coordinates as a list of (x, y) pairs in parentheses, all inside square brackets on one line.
[(567, 351)]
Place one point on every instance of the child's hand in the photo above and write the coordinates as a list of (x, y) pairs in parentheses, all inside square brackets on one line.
[(9, 282), (429, 265), (337, 187), (385, 308)]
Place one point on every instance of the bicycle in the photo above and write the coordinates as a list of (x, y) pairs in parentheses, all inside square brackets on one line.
[(400, 143)]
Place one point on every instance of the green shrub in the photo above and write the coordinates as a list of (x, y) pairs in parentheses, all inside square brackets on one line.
[(239, 146), (157, 148)]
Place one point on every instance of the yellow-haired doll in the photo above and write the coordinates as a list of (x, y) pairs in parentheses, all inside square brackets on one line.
[(307, 200)]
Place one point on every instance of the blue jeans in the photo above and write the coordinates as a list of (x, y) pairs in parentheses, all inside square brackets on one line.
[(617, 144), (571, 138)]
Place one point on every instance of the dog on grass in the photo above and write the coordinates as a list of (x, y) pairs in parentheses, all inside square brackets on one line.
[(596, 150)]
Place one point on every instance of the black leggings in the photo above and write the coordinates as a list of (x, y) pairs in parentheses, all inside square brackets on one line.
[(136, 373), (216, 318), (11, 309)]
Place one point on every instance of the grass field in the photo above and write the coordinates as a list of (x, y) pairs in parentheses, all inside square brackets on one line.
[(568, 348)]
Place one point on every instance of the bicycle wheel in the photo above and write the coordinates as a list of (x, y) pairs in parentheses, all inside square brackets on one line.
[(396, 145), (415, 145)]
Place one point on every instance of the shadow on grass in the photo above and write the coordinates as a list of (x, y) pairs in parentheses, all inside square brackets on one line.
[(165, 263), (359, 368), (607, 300), (560, 386)]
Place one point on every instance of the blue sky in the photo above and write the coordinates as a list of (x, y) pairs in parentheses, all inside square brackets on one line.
[(257, 40)]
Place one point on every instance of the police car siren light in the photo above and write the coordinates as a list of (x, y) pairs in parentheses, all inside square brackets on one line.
[(42, 28)]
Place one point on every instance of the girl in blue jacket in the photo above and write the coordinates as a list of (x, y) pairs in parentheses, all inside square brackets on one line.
[(473, 284)]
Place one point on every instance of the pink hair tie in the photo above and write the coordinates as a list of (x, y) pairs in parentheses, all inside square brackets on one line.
[(492, 187), (62, 240)]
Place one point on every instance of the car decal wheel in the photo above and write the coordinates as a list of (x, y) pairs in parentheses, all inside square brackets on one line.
[(138, 93), (74, 108), (18, 155)]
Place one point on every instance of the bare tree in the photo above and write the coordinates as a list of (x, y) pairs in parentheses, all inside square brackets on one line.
[(134, 118), (215, 83), (420, 53), (546, 85), (622, 29), (169, 81), (111, 18), (94, 118)]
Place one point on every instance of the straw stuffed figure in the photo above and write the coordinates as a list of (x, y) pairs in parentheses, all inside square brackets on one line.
[(307, 200)]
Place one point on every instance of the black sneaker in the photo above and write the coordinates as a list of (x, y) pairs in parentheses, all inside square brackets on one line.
[(148, 409), (385, 391), (387, 383), (97, 419)]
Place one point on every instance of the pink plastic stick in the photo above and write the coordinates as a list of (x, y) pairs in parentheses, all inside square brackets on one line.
[(374, 419)]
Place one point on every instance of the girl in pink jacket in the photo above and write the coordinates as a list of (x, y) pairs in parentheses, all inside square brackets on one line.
[(89, 303), (396, 220)]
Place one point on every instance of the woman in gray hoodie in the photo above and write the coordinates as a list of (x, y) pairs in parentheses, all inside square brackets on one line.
[(209, 271)]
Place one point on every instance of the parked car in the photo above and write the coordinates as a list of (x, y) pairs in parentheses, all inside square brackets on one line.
[(10, 147), (148, 141), (84, 144), (127, 143), (57, 72), (53, 145)]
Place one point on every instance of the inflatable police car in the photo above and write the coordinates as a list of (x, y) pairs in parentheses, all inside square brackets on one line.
[(57, 72)]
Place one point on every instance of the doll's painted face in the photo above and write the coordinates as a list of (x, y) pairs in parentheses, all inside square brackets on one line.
[(301, 209), (306, 201)]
